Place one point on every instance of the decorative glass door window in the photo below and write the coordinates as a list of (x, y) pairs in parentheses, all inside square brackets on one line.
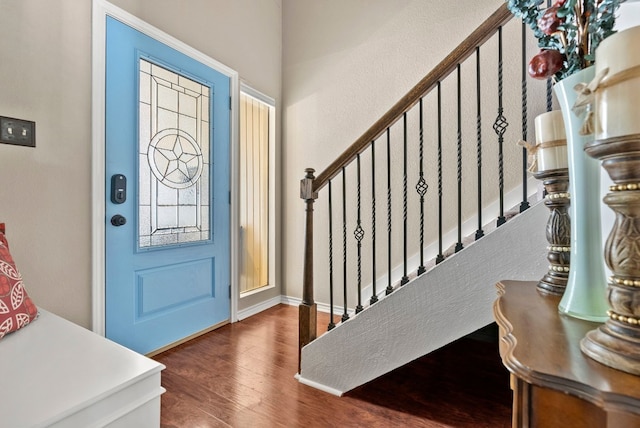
[(174, 168)]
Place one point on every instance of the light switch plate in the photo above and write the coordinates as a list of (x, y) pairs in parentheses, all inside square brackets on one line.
[(17, 131)]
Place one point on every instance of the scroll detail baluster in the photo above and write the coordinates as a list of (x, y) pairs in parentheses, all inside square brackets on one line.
[(500, 126), (421, 188), (359, 235)]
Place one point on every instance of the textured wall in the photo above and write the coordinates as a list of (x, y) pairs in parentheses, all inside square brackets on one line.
[(446, 303)]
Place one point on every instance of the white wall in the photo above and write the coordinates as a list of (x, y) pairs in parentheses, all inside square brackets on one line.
[(45, 192), (45, 76), (629, 15)]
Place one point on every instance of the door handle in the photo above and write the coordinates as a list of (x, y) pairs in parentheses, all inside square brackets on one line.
[(118, 220)]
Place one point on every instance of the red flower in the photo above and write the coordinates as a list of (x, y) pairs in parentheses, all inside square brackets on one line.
[(559, 3), (549, 21), (545, 64)]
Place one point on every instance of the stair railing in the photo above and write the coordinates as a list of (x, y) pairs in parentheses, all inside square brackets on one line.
[(396, 117)]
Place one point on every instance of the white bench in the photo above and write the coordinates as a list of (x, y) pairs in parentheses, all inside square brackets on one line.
[(54, 373)]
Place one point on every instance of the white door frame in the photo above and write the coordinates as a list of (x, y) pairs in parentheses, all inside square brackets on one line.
[(102, 9)]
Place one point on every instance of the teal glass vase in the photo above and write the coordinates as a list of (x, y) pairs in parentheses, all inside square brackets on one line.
[(585, 296)]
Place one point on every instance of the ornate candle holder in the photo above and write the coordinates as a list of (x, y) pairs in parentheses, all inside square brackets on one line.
[(556, 184), (617, 342), (551, 154), (617, 143)]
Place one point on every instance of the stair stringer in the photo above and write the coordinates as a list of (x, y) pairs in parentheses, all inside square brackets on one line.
[(449, 301)]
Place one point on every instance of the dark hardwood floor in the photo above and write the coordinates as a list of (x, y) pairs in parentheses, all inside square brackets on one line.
[(242, 375)]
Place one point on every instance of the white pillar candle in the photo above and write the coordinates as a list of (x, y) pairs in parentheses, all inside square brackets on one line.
[(551, 141), (616, 103)]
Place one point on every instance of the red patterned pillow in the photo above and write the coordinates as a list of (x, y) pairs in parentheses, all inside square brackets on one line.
[(16, 308)]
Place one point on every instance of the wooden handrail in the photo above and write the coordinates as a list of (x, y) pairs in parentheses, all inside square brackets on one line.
[(465, 49)]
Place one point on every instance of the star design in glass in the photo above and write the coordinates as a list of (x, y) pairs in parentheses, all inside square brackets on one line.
[(181, 163), (175, 158)]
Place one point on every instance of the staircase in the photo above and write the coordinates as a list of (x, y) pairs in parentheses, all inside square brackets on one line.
[(447, 302), (425, 304)]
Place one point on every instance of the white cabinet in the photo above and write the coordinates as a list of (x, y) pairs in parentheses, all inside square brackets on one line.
[(54, 373)]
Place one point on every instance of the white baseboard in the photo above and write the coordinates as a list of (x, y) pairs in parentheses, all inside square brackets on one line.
[(319, 386), (291, 301), (322, 307), (255, 309), (286, 300)]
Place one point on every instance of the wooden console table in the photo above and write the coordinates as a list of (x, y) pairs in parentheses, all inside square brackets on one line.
[(554, 384)]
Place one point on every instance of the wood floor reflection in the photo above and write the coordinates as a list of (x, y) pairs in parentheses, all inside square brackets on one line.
[(241, 375)]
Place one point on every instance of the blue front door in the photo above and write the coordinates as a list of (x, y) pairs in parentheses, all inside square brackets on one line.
[(167, 187)]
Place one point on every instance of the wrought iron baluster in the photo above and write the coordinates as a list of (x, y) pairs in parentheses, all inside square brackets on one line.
[(479, 232), (525, 203), (374, 296), (440, 256), (345, 314), (500, 126), (389, 288), (421, 188), (405, 277), (359, 234), (331, 323), (459, 245)]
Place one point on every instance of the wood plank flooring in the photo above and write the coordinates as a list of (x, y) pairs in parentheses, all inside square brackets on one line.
[(241, 375)]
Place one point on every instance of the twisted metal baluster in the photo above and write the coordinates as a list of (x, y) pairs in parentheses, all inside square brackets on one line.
[(405, 277), (440, 256), (479, 232), (345, 315), (459, 245), (389, 288), (500, 126), (359, 234), (374, 296), (331, 323), (421, 188), (525, 203)]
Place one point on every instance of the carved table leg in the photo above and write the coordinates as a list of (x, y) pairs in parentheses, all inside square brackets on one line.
[(556, 183), (617, 342)]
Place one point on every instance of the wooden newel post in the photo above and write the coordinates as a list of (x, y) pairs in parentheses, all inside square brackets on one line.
[(307, 318)]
